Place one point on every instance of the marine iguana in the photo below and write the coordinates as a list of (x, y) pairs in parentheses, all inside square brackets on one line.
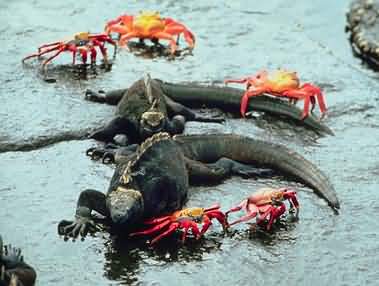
[(155, 179), (363, 26), (13, 270), (226, 98), (144, 110)]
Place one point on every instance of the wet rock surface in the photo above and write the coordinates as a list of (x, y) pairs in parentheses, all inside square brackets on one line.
[(39, 188)]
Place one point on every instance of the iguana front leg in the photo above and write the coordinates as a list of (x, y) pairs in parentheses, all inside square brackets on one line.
[(201, 173), (176, 108), (112, 97), (12, 265), (116, 126), (89, 200), (111, 154)]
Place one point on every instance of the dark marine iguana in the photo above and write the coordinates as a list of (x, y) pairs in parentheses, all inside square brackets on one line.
[(223, 97), (144, 110), (13, 270), (155, 179), (363, 26)]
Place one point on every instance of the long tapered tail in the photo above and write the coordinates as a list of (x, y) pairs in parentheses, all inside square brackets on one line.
[(194, 94), (210, 148), (37, 142)]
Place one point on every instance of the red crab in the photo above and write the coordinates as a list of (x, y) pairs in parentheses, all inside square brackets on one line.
[(185, 219), (149, 25), (82, 43), (283, 84), (266, 202)]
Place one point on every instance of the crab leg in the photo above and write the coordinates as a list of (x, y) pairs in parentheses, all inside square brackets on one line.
[(111, 24), (152, 230), (170, 230), (291, 196), (300, 94), (49, 45), (39, 54), (321, 101), (207, 223), (107, 39), (83, 51), (263, 213), (208, 220), (72, 49), (243, 204), (313, 103), (275, 213), (120, 29), (177, 29), (73, 56), (246, 217), (245, 98), (188, 224), (126, 21), (214, 207), (157, 220), (125, 38), (52, 57), (166, 36), (306, 107), (93, 54), (103, 50)]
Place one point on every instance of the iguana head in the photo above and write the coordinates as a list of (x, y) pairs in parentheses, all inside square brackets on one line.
[(125, 206), (152, 121)]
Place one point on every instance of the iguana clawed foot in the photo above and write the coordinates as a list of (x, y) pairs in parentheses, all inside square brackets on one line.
[(11, 255), (81, 226), (111, 153), (106, 154)]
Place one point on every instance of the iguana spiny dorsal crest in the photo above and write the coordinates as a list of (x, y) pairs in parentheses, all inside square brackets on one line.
[(146, 145)]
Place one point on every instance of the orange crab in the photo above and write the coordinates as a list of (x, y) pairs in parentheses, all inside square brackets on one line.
[(185, 219), (149, 25), (266, 202), (283, 84), (82, 43)]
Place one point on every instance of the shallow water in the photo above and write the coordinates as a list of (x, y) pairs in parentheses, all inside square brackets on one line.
[(39, 188)]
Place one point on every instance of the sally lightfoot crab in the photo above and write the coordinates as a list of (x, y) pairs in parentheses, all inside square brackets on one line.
[(82, 43), (266, 204), (149, 25), (281, 83), (185, 220)]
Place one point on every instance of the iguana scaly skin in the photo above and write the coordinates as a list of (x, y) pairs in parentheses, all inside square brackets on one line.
[(363, 26), (155, 179)]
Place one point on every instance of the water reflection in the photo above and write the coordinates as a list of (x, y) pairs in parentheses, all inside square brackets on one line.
[(125, 257)]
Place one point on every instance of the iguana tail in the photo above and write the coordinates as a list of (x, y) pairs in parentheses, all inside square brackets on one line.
[(43, 141), (229, 98), (210, 148)]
